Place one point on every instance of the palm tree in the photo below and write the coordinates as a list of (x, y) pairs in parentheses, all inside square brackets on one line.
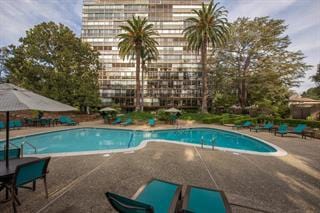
[(147, 55), (137, 34), (210, 26)]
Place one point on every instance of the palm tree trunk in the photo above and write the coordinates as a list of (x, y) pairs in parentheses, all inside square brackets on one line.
[(142, 81), (204, 107), (138, 57)]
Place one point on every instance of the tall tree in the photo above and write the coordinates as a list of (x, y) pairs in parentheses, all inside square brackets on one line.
[(138, 33), (259, 61), (52, 61), (5, 54), (209, 27)]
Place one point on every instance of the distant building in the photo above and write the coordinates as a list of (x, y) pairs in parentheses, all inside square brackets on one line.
[(301, 108), (173, 80)]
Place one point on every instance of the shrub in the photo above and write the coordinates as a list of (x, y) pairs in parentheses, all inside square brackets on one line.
[(163, 116), (139, 116), (295, 122)]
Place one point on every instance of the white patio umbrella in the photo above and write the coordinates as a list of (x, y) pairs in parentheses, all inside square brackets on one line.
[(13, 98), (173, 110)]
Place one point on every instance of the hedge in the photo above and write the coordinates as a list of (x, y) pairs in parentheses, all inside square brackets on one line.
[(295, 122)]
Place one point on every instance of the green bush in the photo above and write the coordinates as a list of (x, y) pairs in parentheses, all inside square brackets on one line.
[(138, 116), (163, 116), (295, 122), (195, 116)]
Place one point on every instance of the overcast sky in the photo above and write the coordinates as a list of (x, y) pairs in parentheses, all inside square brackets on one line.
[(302, 17)]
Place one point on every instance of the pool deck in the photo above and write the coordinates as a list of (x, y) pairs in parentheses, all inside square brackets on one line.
[(289, 183)]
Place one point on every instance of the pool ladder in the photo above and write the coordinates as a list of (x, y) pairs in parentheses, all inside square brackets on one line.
[(131, 137), (212, 142), (32, 146)]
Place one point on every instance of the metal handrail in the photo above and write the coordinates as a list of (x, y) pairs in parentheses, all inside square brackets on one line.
[(32, 146)]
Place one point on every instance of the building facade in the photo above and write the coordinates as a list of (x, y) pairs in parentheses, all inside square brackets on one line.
[(174, 80)]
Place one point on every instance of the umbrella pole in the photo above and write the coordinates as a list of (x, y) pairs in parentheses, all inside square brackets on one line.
[(7, 140)]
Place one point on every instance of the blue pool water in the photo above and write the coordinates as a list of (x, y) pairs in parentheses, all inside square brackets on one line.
[(90, 139)]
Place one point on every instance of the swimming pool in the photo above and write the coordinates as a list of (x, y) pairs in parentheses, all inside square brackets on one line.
[(86, 140)]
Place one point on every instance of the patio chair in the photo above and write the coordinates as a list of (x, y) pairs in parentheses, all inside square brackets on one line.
[(12, 124), (299, 130), (282, 130), (117, 121), (17, 124), (67, 121), (2, 126), (13, 154), (27, 173), (127, 122), (198, 199), (152, 122), (246, 124), (267, 126), (155, 196)]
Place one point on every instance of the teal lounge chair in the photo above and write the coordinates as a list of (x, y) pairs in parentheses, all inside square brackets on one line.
[(13, 154), (152, 122), (282, 130), (267, 126), (245, 124), (2, 126), (198, 199), (67, 121), (11, 124), (156, 196), (116, 121), (17, 124), (299, 130), (127, 122)]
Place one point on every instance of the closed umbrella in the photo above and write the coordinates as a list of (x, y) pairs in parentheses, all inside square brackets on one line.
[(13, 98)]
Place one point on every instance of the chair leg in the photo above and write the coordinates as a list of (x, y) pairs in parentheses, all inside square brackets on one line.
[(34, 185), (45, 186)]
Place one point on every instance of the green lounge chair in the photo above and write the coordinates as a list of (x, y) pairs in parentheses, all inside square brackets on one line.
[(2, 126), (27, 173), (156, 196), (299, 130), (11, 124), (17, 124), (116, 121), (127, 122), (282, 130), (13, 154), (198, 199), (267, 126), (246, 124), (152, 122), (67, 121)]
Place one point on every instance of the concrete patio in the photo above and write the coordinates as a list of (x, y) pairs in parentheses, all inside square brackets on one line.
[(275, 184)]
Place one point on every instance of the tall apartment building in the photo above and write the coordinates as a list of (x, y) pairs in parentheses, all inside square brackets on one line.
[(173, 80)]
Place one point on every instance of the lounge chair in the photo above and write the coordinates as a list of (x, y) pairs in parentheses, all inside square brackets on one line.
[(282, 130), (155, 196), (299, 130), (2, 126), (17, 124), (11, 124), (127, 122), (267, 126), (117, 121), (23, 176), (198, 199), (152, 122), (246, 124), (13, 154), (67, 121)]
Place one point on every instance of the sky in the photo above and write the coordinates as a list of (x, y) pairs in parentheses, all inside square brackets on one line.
[(301, 16)]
